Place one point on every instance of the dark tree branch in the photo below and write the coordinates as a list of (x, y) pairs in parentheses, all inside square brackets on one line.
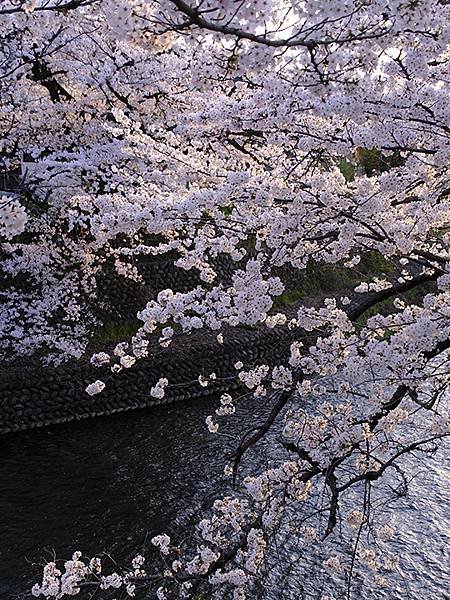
[(58, 7), (195, 17)]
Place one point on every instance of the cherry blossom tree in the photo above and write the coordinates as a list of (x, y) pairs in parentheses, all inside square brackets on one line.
[(221, 128)]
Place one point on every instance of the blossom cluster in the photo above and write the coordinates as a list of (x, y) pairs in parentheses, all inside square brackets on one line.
[(255, 145)]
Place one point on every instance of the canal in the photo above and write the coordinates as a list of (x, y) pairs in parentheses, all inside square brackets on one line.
[(110, 484)]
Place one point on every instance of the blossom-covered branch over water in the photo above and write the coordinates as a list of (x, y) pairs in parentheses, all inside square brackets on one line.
[(274, 134)]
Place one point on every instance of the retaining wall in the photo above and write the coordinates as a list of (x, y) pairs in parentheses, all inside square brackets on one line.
[(37, 396)]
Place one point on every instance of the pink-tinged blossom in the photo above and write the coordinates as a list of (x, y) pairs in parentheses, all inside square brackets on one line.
[(13, 217), (162, 542), (95, 388), (100, 359), (158, 390), (280, 141)]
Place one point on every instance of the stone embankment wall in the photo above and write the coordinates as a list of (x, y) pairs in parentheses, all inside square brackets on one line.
[(36, 397), (32, 396), (123, 298)]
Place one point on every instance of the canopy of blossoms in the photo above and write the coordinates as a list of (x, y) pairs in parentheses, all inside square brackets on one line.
[(219, 128)]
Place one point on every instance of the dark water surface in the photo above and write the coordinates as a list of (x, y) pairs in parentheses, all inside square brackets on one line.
[(110, 484), (105, 484)]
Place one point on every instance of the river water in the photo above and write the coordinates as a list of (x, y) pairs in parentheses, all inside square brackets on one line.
[(110, 484)]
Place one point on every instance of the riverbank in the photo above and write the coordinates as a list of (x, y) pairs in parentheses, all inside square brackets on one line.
[(35, 396)]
